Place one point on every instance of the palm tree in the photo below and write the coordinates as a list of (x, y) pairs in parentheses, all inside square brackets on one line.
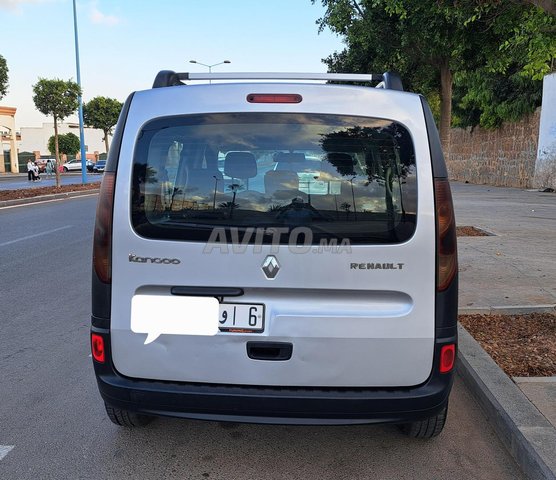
[(347, 207), (234, 187), (229, 205)]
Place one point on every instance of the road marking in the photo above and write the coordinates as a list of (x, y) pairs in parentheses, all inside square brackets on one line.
[(4, 450), (49, 201), (34, 236)]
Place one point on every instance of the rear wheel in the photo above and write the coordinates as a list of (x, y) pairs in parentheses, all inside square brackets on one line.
[(125, 418), (66, 170), (427, 428)]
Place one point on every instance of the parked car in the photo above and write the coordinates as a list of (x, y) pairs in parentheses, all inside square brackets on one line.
[(90, 165), (72, 165), (320, 292), (99, 166)]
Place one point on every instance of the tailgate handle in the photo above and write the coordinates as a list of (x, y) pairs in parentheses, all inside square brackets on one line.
[(269, 350), (207, 291)]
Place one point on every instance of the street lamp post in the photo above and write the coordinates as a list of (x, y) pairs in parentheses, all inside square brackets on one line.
[(353, 196), (80, 100), (214, 198), (208, 66)]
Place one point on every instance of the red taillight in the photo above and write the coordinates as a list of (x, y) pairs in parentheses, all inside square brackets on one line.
[(447, 358), (274, 98), (446, 251), (102, 243), (97, 347)]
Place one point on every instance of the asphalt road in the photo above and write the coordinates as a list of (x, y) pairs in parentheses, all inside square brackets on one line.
[(11, 182), (52, 415)]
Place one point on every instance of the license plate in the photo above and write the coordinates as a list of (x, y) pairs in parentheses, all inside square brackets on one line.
[(241, 317)]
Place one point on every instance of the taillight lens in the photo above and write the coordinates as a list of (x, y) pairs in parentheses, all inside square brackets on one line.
[(446, 251), (102, 243), (97, 347), (274, 98), (447, 357)]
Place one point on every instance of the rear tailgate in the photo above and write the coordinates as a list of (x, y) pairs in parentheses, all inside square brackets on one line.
[(358, 316)]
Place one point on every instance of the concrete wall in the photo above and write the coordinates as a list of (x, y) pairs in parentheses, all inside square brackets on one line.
[(545, 170), (503, 157)]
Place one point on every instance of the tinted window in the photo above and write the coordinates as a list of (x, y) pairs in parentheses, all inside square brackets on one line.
[(341, 177)]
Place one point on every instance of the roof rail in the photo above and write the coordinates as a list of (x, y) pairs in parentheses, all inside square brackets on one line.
[(389, 80)]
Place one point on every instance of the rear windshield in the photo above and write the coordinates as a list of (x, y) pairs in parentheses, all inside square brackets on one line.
[(258, 177)]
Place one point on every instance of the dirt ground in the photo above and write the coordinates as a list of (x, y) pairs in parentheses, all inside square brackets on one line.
[(522, 345), (34, 192), (466, 231)]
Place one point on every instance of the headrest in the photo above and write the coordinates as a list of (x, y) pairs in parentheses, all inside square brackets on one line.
[(240, 165), (342, 161), (297, 157)]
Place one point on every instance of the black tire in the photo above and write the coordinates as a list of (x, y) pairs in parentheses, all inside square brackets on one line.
[(125, 418), (66, 170), (427, 428)]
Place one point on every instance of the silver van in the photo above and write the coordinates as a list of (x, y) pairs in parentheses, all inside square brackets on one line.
[(277, 251)]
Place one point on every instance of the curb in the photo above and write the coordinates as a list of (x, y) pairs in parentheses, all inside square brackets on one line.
[(534, 379), (508, 309), (43, 198), (524, 431)]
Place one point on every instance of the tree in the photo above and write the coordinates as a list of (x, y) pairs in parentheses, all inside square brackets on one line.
[(347, 207), (391, 35), (102, 113), (548, 6), (488, 98), (58, 98), (509, 84), (3, 77), (430, 42), (68, 144)]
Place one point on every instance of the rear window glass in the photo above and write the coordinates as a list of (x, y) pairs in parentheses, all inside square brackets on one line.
[(260, 176)]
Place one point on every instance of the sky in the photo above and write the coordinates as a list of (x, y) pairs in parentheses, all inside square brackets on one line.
[(124, 43)]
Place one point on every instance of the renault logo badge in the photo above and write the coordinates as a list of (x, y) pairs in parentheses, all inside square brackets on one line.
[(270, 267)]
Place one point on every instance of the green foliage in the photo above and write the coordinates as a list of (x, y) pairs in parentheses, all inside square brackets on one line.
[(68, 143), (102, 113), (532, 40), (422, 40), (3, 77), (498, 50), (412, 37), (525, 33), (57, 98), (489, 99)]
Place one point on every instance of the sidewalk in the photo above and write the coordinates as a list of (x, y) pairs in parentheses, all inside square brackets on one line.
[(511, 271), (517, 265)]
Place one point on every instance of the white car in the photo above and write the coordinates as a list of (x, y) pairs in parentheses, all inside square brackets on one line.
[(308, 277), (74, 164)]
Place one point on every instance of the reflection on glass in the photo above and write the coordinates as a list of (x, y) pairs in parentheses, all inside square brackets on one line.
[(342, 177)]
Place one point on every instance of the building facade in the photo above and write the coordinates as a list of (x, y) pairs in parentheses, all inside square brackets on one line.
[(35, 139), (9, 137)]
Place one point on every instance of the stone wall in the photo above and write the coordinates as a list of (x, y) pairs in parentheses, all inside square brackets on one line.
[(502, 157)]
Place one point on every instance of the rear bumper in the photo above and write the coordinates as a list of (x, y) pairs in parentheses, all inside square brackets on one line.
[(282, 405)]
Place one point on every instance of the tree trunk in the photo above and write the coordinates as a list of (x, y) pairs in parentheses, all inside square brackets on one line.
[(56, 152), (106, 140), (445, 104)]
